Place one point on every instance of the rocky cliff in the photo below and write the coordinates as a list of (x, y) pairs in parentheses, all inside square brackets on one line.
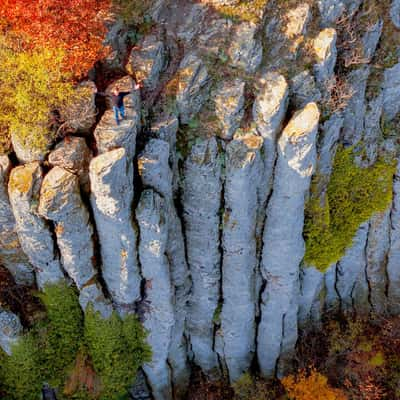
[(252, 187)]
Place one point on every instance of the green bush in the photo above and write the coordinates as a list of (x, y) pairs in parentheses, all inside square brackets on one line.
[(117, 347), (354, 194)]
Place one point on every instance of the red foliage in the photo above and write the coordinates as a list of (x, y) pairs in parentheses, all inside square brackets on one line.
[(76, 26)]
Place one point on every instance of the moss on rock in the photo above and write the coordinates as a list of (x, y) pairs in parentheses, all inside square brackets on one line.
[(353, 195)]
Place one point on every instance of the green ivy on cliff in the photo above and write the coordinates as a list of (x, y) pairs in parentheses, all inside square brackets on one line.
[(353, 195), (117, 347)]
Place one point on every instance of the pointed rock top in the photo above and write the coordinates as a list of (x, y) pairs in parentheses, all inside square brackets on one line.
[(303, 122), (22, 178), (323, 44)]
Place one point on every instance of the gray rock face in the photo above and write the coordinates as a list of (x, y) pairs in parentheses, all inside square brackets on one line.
[(370, 40), (11, 254), (326, 53), (246, 49), (148, 62), (377, 250), (351, 283), (243, 171), (108, 134), (330, 11), (201, 203), (353, 124), (33, 232), (229, 106), (310, 301), (60, 202), (92, 294), (391, 92), (10, 330), (192, 88), (393, 261), (111, 179), (74, 155), (395, 13), (156, 174), (303, 90), (152, 216), (283, 242)]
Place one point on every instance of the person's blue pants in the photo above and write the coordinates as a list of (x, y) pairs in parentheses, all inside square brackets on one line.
[(119, 110)]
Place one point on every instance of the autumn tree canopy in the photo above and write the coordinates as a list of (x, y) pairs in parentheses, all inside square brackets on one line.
[(75, 27)]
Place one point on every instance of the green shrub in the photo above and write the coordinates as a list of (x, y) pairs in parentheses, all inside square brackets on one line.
[(117, 347), (354, 194)]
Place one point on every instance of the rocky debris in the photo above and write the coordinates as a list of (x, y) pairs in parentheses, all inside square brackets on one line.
[(325, 52), (193, 87), (156, 174), (246, 48), (391, 92), (108, 134), (166, 129), (11, 255), (377, 250), (192, 22), (10, 330), (34, 234), (395, 13), (303, 90), (92, 294), (351, 284), (61, 203), (152, 216), (229, 106), (201, 205), (111, 179), (354, 113), (370, 40), (26, 152), (147, 63), (212, 40), (74, 155), (310, 300), (283, 241), (243, 171), (393, 258)]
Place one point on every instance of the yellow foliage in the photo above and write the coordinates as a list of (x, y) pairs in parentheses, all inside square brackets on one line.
[(311, 386), (32, 85)]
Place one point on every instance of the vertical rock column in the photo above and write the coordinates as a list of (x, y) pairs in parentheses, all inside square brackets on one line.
[(283, 241), (111, 180), (60, 202), (11, 254), (201, 203), (33, 232), (156, 174), (152, 217), (243, 172)]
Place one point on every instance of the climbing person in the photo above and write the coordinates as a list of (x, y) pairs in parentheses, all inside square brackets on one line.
[(117, 100)]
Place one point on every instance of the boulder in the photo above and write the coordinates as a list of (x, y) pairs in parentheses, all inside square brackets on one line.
[(147, 63), (229, 106), (246, 48), (27, 152), (193, 87), (108, 134), (74, 155), (325, 52), (93, 294), (238, 328), (201, 204), (10, 330), (33, 231), (61, 203), (152, 217), (111, 181), (283, 241), (11, 254)]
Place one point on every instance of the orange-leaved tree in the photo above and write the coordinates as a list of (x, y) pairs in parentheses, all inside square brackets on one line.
[(76, 27), (310, 386)]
